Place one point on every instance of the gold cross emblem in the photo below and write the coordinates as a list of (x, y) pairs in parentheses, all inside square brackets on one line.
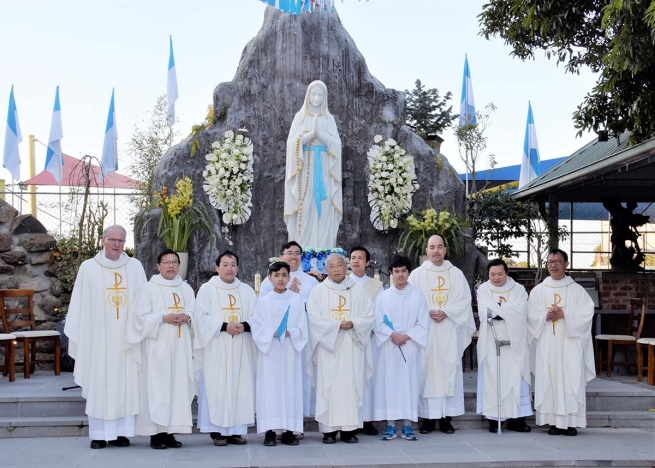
[(341, 313), (117, 297), (439, 297), (176, 307), (231, 313), (556, 300)]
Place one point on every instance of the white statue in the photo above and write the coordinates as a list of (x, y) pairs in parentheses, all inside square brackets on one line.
[(312, 196)]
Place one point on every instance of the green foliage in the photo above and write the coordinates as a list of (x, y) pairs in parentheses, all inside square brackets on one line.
[(427, 112), (472, 142), (146, 147), (416, 233), (210, 119), (613, 38)]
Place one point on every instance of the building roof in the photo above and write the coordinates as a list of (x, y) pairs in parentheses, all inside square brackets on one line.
[(510, 173)]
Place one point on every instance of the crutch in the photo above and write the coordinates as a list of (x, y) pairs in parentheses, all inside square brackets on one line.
[(499, 344)]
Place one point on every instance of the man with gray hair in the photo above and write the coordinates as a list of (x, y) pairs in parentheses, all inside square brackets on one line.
[(96, 325), (340, 316)]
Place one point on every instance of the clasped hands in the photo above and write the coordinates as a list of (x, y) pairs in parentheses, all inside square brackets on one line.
[(346, 325), (286, 333), (313, 134), (555, 312), (399, 339), (295, 285), (234, 328), (175, 319), (438, 315)]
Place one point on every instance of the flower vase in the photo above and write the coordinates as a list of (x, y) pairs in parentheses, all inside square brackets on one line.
[(184, 264)]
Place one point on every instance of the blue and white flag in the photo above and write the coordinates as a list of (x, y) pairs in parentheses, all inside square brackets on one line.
[(171, 87), (467, 104), (530, 160), (109, 161), (295, 7), (281, 330), (53, 157), (13, 137)]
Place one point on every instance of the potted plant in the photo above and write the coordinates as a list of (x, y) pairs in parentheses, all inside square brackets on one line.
[(421, 226), (180, 217)]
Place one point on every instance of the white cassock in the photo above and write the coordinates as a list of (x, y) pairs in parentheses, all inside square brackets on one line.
[(564, 357), (442, 383), (307, 283), (396, 378), (373, 288), (514, 359), (96, 328), (224, 365), (166, 384), (343, 362), (279, 362)]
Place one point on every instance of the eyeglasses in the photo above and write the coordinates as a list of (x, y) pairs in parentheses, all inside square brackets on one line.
[(116, 241), (291, 253), (169, 263), (554, 262)]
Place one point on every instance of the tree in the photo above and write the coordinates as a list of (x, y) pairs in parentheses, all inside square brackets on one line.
[(614, 39), (472, 142), (146, 147), (427, 112)]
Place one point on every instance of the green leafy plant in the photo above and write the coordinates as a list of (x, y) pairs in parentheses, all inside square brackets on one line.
[(421, 226)]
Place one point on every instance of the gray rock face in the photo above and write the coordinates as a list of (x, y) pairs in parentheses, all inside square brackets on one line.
[(14, 257), (5, 242), (41, 258), (27, 224), (7, 212), (37, 242), (288, 53)]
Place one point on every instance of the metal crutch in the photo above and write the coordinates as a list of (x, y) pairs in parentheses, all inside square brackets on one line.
[(499, 344)]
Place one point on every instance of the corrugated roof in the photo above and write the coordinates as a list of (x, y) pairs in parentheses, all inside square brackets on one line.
[(511, 173)]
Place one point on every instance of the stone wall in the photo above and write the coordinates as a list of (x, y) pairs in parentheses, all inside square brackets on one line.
[(616, 289)]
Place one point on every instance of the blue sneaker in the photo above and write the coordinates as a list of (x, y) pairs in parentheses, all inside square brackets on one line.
[(389, 433), (408, 433)]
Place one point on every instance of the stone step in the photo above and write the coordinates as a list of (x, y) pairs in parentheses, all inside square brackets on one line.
[(68, 426)]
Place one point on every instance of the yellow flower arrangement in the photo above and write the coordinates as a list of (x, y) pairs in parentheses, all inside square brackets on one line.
[(179, 216), (414, 239)]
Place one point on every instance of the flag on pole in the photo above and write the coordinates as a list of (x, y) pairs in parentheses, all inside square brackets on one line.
[(109, 161), (530, 160), (171, 87), (467, 104), (13, 137), (53, 158), (281, 330)]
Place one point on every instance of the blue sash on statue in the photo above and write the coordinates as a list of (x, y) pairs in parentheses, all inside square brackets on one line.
[(319, 186)]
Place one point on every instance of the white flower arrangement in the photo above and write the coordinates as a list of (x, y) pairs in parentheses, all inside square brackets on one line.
[(391, 183), (228, 177)]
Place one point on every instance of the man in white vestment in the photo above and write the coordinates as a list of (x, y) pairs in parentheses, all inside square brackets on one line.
[(360, 259), (401, 328), (96, 325), (159, 324), (301, 283), (224, 354), (506, 303), (340, 315), (449, 298), (279, 329), (560, 314)]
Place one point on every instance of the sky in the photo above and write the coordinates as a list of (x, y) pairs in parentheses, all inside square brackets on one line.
[(89, 47)]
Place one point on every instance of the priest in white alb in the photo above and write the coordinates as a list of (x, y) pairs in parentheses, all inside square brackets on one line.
[(225, 356), (340, 315), (279, 329), (505, 302), (449, 298), (360, 259), (560, 314), (159, 324), (96, 322), (401, 332)]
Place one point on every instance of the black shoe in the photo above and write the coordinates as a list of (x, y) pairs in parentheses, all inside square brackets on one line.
[(214, 435), (330, 437), (171, 441), (493, 426), (368, 429), (157, 441), (556, 431), (349, 437), (289, 439), (518, 425), (571, 431), (120, 442), (236, 440), (98, 444), (269, 439), (445, 426), (428, 426)]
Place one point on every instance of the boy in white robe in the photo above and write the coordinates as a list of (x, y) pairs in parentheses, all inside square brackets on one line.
[(224, 354), (401, 332), (560, 314), (279, 329), (96, 326), (448, 295), (506, 302), (360, 259), (159, 324)]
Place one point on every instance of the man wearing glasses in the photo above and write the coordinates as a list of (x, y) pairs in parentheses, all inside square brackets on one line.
[(560, 313), (105, 287)]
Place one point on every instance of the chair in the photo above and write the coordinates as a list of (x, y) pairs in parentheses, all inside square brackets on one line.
[(627, 341), (642, 349), (8, 341), (11, 319)]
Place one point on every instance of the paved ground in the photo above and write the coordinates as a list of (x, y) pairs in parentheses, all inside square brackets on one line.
[(473, 448)]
